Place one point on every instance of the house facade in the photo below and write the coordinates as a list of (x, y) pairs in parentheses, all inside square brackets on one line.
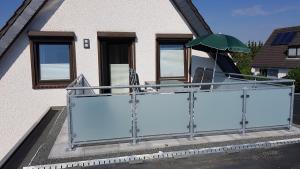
[(46, 44), (280, 53)]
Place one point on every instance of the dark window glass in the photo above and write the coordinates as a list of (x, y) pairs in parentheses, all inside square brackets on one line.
[(273, 72)]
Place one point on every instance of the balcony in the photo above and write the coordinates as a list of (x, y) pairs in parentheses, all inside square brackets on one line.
[(234, 103)]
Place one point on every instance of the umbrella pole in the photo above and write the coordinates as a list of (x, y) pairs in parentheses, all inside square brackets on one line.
[(214, 71)]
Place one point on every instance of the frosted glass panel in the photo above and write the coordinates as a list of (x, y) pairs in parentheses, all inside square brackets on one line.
[(171, 60), (97, 118), (119, 75), (54, 61)]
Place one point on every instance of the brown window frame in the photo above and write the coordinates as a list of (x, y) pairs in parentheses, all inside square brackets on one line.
[(35, 38), (174, 38)]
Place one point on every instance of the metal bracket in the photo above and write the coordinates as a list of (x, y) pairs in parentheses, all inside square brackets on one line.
[(289, 119), (73, 135), (195, 98), (247, 96), (137, 130), (136, 101), (188, 126), (290, 94), (72, 104), (246, 122)]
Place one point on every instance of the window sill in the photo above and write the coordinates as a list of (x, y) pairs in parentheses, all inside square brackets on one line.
[(292, 58), (50, 86)]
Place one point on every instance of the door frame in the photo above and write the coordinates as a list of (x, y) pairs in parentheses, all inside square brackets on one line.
[(129, 37)]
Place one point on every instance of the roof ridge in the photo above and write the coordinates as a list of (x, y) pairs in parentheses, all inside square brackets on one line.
[(286, 28)]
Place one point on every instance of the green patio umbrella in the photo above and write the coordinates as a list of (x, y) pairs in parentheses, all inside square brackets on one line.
[(219, 42)]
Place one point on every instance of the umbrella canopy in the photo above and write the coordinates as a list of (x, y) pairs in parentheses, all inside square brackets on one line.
[(220, 42)]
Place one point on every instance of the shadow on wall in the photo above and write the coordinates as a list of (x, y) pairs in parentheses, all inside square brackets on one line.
[(198, 61), (204, 62), (18, 46)]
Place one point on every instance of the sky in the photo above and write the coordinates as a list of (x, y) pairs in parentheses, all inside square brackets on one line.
[(249, 19), (7, 9), (252, 20)]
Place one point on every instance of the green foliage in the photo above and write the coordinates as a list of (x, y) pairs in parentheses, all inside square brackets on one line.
[(243, 61), (295, 74)]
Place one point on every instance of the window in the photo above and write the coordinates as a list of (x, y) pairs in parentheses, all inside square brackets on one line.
[(172, 57), (293, 52), (53, 59), (171, 60), (263, 72), (272, 73)]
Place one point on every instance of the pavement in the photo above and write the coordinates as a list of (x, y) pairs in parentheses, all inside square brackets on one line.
[(284, 157)]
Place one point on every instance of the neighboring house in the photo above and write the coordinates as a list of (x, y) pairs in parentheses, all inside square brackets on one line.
[(47, 44), (280, 53)]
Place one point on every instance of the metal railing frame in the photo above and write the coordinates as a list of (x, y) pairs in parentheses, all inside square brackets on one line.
[(81, 84)]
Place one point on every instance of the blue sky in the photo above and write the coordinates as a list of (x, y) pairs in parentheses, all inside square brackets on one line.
[(7, 9), (244, 19), (249, 19)]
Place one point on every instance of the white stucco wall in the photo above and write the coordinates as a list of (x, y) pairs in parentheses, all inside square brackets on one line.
[(21, 106)]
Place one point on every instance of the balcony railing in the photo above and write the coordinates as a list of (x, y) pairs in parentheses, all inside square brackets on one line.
[(233, 103)]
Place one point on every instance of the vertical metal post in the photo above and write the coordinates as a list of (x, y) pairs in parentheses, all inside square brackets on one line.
[(133, 102), (82, 84), (291, 106), (69, 122), (244, 109), (191, 113)]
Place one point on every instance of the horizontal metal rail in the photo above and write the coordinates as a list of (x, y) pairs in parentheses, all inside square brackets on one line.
[(253, 76), (179, 85)]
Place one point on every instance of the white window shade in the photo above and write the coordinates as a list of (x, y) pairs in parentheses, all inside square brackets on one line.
[(171, 60), (292, 52), (119, 75)]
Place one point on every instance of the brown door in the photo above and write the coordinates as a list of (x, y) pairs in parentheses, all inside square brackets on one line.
[(116, 58)]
